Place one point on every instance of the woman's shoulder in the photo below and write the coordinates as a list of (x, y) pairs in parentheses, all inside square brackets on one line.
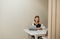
[(41, 24)]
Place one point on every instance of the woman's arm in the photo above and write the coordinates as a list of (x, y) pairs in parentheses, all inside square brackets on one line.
[(42, 26), (39, 28)]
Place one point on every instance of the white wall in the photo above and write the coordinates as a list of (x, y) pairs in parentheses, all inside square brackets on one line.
[(15, 15)]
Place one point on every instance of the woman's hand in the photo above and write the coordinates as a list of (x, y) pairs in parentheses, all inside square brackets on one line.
[(39, 28)]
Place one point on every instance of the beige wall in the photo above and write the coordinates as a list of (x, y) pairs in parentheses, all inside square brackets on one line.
[(15, 15)]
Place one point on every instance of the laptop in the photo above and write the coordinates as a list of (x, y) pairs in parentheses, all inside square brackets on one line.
[(32, 28)]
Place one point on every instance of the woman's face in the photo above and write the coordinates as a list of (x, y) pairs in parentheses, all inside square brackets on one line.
[(36, 19)]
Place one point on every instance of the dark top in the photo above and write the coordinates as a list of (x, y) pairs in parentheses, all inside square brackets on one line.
[(38, 25)]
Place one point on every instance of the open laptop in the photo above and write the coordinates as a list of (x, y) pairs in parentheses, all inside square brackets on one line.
[(32, 28)]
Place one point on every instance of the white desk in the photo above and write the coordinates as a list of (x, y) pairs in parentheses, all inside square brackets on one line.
[(36, 33)]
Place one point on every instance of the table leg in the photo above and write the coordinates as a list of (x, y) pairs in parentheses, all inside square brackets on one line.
[(36, 37)]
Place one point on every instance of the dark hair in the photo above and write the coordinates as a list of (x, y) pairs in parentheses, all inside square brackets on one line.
[(36, 17)]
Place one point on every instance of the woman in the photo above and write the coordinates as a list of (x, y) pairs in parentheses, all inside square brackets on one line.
[(37, 24)]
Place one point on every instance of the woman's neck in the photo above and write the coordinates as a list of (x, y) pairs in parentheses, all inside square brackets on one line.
[(36, 23)]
